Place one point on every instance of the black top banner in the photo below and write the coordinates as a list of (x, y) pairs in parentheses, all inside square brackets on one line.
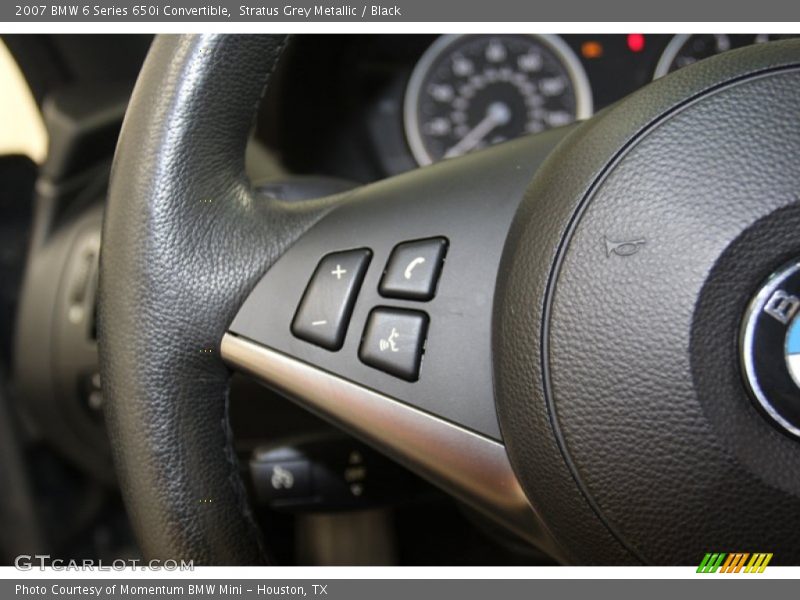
[(265, 11)]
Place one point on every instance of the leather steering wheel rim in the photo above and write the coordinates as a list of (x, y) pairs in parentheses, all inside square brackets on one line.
[(189, 244)]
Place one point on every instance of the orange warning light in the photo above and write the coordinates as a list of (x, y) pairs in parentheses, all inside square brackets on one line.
[(591, 49)]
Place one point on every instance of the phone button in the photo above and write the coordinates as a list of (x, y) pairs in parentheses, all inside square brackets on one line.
[(393, 341), (413, 269)]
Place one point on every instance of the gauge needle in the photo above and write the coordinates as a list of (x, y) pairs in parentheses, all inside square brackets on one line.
[(497, 114)]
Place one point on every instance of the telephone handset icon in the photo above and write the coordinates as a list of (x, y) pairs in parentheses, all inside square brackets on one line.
[(417, 261)]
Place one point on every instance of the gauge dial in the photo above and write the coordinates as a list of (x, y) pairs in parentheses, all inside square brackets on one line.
[(762, 38), (684, 49), (471, 91)]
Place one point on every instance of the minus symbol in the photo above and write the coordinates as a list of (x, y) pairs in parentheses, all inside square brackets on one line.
[(315, 323)]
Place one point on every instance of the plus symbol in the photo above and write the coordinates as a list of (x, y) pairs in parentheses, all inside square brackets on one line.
[(339, 271)]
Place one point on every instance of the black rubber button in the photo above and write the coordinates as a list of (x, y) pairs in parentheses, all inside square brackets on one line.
[(393, 341), (413, 269), (324, 312)]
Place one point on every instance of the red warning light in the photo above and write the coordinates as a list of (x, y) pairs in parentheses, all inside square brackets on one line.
[(635, 42)]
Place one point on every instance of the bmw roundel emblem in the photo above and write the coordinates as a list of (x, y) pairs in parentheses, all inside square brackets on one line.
[(770, 348)]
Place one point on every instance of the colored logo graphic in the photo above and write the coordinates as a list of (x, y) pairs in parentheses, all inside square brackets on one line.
[(735, 562), (792, 350), (770, 348)]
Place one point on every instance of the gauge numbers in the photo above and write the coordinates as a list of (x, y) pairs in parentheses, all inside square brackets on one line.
[(472, 91)]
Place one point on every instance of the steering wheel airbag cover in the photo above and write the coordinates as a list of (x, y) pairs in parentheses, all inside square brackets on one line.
[(637, 464)]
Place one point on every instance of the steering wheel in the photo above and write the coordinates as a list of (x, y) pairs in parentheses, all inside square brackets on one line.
[(554, 330)]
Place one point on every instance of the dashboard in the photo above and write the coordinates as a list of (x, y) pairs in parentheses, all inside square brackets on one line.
[(368, 107)]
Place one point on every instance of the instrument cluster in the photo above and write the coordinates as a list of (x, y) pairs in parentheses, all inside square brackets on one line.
[(380, 105)]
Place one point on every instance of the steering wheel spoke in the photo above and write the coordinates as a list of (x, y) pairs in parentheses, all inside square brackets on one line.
[(380, 319)]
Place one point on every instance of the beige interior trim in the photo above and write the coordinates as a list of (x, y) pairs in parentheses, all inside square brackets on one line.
[(22, 129)]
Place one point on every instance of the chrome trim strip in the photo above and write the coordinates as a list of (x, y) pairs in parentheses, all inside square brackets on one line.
[(471, 467)]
